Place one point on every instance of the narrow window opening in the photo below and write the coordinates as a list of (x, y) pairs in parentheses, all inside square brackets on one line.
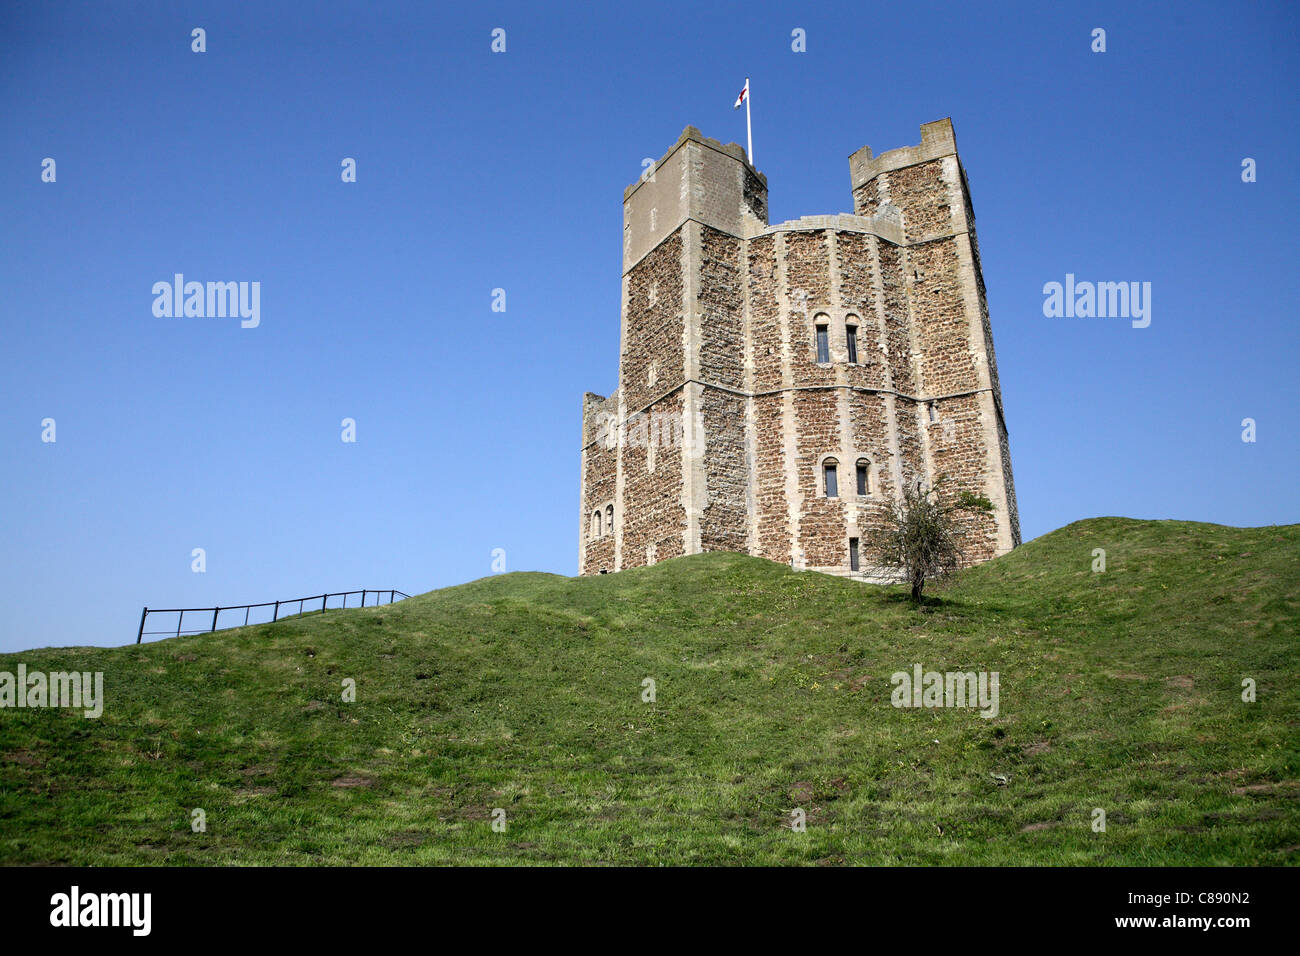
[(832, 480), (853, 554), (853, 344), (934, 415), (823, 346), (864, 477), (609, 519)]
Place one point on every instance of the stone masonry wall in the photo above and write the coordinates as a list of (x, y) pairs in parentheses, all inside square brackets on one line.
[(1004, 449), (957, 451), (808, 290), (652, 512), (653, 360), (599, 484), (922, 399), (919, 191), (946, 363), (771, 504), (721, 302), (866, 198), (765, 320), (724, 523), (870, 434), (821, 536), (858, 298), (897, 333), (721, 305)]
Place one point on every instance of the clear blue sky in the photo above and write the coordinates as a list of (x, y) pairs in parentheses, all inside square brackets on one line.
[(479, 171)]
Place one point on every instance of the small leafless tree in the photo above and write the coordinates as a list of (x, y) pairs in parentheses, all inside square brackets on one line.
[(921, 534)]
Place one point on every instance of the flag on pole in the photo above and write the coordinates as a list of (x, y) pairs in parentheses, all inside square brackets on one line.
[(749, 130), (744, 95)]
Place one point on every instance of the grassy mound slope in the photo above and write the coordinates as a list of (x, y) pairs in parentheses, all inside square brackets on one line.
[(1119, 690)]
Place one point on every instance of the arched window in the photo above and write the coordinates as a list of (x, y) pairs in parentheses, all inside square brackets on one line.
[(851, 336), (831, 478), (823, 341), (595, 524), (864, 477), (609, 519)]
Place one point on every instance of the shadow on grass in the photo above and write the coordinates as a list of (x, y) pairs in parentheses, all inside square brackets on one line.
[(903, 599), (931, 603)]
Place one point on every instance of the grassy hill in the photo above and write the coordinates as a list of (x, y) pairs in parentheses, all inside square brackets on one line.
[(1119, 690)]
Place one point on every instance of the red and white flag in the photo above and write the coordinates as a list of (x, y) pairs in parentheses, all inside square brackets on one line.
[(744, 95), (749, 132)]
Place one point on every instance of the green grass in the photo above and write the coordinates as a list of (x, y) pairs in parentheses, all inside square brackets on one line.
[(1119, 690)]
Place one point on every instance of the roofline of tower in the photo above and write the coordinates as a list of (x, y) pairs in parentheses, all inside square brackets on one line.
[(882, 227), (937, 140), (692, 135)]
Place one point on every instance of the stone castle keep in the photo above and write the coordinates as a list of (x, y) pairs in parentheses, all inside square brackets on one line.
[(778, 384)]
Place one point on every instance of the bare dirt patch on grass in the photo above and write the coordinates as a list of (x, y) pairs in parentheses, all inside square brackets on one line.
[(348, 781), (22, 756), (1272, 786)]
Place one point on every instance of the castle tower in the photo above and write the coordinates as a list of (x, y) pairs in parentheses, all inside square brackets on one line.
[(779, 384)]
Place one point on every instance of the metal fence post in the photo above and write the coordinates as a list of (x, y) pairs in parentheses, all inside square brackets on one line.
[(216, 611)]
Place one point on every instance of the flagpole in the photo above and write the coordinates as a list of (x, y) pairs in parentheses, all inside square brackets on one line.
[(749, 130)]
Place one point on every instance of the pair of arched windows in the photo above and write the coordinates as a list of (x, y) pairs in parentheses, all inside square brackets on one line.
[(831, 477), (602, 523), (822, 330)]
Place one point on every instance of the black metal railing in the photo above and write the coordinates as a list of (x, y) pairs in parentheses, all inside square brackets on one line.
[(180, 612)]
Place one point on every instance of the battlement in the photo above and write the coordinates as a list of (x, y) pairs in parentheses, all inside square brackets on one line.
[(698, 179), (885, 224), (937, 140), (692, 135), (598, 411)]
